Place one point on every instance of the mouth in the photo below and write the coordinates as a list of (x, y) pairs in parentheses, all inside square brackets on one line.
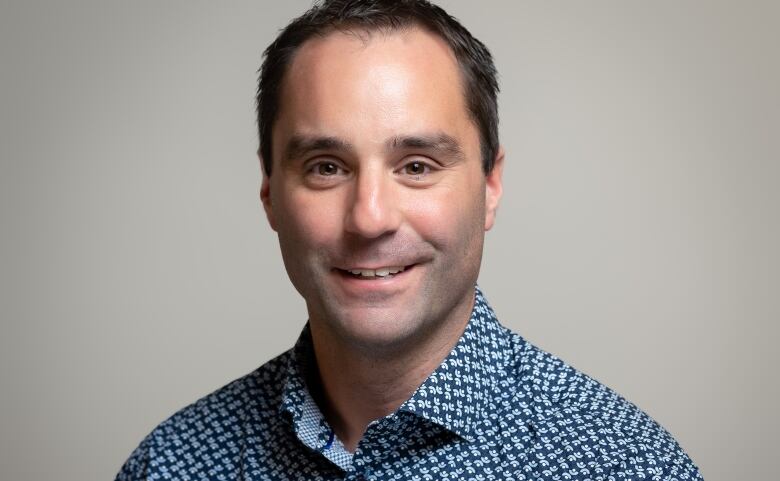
[(386, 272)]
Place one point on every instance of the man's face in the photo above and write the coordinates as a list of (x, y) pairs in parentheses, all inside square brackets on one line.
[(377, 192)]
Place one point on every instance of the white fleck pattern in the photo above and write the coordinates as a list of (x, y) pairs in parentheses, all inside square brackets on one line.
[(497, 408)]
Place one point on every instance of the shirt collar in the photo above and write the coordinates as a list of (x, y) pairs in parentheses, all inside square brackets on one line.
[(455, 396), (299, 362), (308, 422)]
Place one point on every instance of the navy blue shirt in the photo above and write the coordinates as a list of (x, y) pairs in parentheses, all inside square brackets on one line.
[(497, 408)]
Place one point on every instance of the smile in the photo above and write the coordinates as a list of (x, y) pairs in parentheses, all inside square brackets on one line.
[(378, 273)]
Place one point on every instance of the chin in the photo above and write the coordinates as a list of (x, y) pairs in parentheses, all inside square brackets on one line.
[(376, 329)]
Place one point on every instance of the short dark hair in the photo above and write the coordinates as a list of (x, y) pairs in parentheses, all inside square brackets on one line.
[(480, 85)]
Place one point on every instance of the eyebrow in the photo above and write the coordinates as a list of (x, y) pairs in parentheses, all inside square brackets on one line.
[(443, 144), (301, 145)]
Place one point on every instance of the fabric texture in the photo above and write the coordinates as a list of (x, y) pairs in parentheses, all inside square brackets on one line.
[(497, 408)]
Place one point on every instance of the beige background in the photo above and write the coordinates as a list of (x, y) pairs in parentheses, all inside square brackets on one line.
[(637, 239)]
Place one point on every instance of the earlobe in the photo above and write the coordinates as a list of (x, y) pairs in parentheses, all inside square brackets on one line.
[(494, 189), (265, 197)]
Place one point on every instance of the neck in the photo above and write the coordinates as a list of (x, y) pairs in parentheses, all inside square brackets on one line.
[(360, 386)]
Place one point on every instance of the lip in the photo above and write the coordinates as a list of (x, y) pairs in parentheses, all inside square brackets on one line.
[(345, 271), (385, 266), (405, 265), (359, 287)]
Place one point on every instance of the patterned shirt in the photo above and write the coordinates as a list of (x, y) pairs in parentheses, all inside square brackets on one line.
[(497, 408)]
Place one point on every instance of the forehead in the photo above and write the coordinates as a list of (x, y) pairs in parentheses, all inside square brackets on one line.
[(411, 44), (376, 85)]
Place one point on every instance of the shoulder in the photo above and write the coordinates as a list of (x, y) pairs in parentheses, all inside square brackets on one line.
[(224, 416), (569, 411)]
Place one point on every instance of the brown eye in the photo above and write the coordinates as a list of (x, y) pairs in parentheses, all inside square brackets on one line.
[(415, 168), (327, 169)]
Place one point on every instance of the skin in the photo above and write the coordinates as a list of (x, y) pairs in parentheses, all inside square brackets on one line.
[(376, 162)]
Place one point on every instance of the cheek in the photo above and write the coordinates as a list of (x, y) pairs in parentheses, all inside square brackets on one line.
[(450, 220), (309, 220)]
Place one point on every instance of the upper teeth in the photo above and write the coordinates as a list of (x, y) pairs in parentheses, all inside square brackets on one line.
[(381, 272)]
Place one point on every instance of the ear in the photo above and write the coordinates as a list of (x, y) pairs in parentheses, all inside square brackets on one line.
[(494, 188), (265, 194)]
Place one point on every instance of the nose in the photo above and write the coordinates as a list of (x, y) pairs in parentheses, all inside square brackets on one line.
[(374, 209)]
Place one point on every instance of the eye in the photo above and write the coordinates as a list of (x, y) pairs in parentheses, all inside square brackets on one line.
[(326, 169), (323, 173), (416, 169)]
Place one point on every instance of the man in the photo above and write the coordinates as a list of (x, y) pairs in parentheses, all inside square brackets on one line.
[(382, 171)]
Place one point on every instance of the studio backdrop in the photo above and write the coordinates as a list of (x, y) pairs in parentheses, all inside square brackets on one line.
[(637, 238)]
